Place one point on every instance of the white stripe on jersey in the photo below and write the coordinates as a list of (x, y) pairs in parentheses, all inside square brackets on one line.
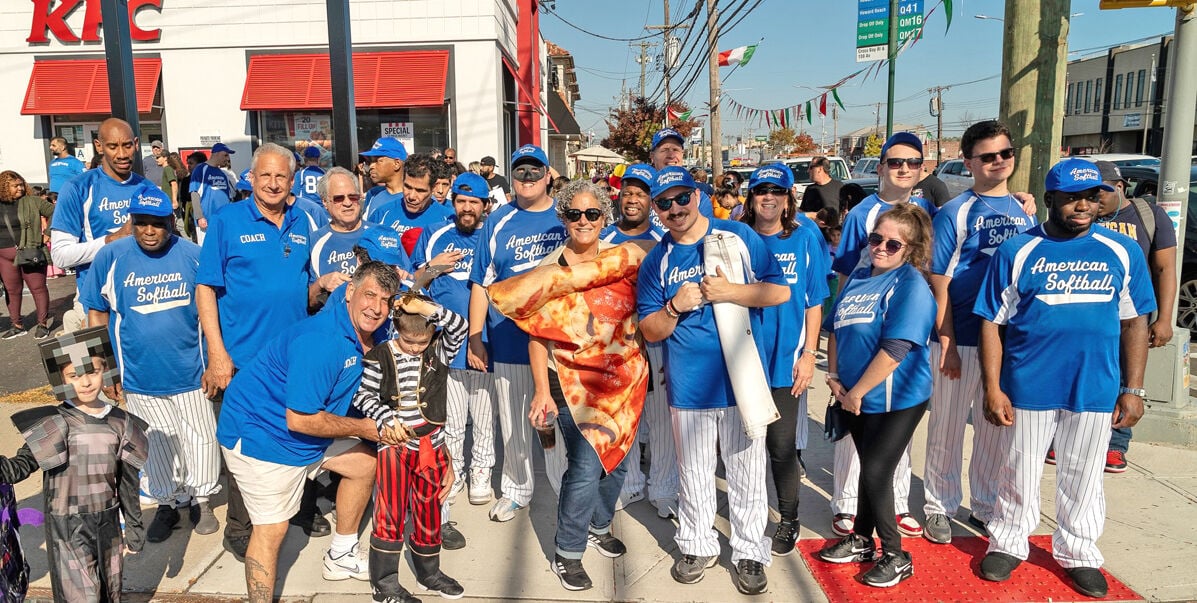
[(961, 235), (1126, 305), (1010, 296), (318, 250), (493, 243), (434, 237), (88, 235)]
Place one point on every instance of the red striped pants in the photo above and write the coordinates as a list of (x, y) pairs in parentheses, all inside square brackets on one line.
[(400, 486)]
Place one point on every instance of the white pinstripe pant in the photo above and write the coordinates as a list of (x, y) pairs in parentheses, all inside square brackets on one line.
[(952, 402), (469, 395), (697, 432), (1081, 442), (184, 457), (513, 392), (846, 479), (656, 427)]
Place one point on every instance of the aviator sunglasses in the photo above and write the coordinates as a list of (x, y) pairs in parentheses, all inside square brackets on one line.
[(892, 246), (573, 215)]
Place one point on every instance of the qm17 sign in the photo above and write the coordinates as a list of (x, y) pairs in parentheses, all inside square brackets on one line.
[(872, 27)]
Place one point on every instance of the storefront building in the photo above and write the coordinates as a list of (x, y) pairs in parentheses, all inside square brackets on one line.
[(432, 73)]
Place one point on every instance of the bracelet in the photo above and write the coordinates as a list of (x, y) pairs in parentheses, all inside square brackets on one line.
[(670, 311), (833, 377), (811, 352)]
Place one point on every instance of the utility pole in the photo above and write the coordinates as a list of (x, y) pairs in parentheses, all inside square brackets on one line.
[(937, 113), (1034, 61), (713, 60), (1178, 122), (644, 60), (893, 64), (1147, 119), (669, 47), (835, 129)]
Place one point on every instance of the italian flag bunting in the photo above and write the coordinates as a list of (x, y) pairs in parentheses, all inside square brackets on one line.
[(736, 56), (675, 116)]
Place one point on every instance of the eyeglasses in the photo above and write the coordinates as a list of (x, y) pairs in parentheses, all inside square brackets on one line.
[(913, 163), (573, 215), (353, 198), (529, 173), (683, 199), (776, 191), (892, 246), (992, 157)]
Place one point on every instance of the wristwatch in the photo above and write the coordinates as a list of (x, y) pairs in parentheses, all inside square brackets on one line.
[(1138, 391)]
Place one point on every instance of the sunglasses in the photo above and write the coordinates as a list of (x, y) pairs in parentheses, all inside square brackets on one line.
[(528, 173), (913, 163), (353, 198), (992, 157), (664, 203), (892, 246), (573, 215), (776, 191)]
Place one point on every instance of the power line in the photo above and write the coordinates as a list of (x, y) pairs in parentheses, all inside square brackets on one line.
[(591, 33)]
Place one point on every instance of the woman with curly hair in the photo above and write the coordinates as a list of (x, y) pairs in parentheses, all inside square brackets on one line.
[(20, 230)]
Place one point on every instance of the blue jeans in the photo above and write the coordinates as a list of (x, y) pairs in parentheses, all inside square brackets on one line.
[(1120, 438), (588, 497)]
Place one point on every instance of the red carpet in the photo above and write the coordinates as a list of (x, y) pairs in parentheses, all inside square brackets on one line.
[(951, 573)]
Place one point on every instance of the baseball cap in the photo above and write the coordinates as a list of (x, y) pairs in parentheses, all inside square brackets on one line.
[(387, 147), (672, 176), (642, 172), (470, 184), (664, 134), (488, 160), (221, 147), (773, 173), (907, 138), (311, 152), (151, 201), (383, 245), (243, 183), (157, 144), (1109, 172), (529, 152), (1073, 175)]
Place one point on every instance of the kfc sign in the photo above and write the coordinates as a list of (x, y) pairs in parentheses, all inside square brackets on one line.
[(50, 17)]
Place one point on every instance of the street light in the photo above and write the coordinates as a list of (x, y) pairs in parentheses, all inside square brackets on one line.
[(989, 18)]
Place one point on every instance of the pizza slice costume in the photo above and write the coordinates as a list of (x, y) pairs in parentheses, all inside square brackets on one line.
[(90, 468)]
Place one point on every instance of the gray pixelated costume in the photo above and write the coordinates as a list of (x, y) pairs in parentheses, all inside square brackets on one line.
[(90, 466)]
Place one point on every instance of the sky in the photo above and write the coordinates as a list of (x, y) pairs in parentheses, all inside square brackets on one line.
[(813, 43)]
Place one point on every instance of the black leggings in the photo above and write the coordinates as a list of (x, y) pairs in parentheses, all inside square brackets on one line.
[(880, 440), (783, 458)]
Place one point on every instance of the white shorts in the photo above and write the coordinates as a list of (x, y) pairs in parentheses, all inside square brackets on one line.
[(271, 491)]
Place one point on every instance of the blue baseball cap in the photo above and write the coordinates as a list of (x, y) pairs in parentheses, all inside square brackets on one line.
[(221, 147), (907, 138), (470, 184), (773, 173), (383, 244), (151, 201), (1074, 175), (311, 152), (243, 183), (642, 172), (672, 176), (664, 134), (387, 147), (529, 152)]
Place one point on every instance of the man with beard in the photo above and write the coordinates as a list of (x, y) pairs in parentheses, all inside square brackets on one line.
[(415, 211), (469, 390), (1067, 300), (332, 245), (500, 190), (385, 162)]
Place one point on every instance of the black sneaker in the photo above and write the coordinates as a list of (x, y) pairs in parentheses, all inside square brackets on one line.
[(400, 597), (852, 548), (571, 573), (891, 569), (996, 567), (443, 585), (750, 577), (976, 522), (689, 568), (451, 538), (164, 523), (314, 525), (606, 544), (938, 529), (785, 537), (41, 332), (1088, 581), (236, 545), (14, 333)]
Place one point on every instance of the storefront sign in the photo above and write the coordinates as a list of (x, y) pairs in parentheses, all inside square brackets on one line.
[(209, 140), (1132, 120), (51, 19), (405, 131)]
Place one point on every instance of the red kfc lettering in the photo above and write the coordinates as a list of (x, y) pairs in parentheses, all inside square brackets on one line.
[(53, 21)]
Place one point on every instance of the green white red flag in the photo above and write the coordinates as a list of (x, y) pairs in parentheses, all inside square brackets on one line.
[(736, 56)]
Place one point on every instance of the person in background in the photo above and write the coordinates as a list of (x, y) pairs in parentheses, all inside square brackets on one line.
[(151, 169), (211, 188), (63, 166), (824, 191), (496, 181), (21, 229), (727, 204), (475, 167), (384, 162), (932, 189), (700, 177), (170, 179)]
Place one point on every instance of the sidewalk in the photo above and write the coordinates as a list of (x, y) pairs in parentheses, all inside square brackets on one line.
[(1149, 543)]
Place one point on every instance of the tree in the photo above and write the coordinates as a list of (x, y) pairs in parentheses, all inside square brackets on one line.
[(631, 130), (803, 143), (781, 140), (873, 146)]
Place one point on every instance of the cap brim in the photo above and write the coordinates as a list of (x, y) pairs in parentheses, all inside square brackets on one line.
[(681, 141), (1076, 189)]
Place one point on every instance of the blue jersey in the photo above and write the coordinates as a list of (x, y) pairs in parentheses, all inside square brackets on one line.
[(62, 169), (315, 213), (1061, 301), (92, 206), (803, 259), (897, 304), (854, 234), (332, 251), (214, 188), (513, 241), (694, 364), (395, 216), (451, 289), (312, 366), (376, 198), (260, 273), (305, 182), (612, 234), (152, 316), (968, 229)]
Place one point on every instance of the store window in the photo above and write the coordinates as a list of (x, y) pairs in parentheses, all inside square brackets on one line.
[(428, 129)]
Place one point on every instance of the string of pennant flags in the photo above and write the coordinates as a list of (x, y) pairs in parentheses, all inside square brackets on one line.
[(784, 117)]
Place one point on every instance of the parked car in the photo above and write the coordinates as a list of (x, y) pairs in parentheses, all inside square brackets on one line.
[(865, 166), (955, 176), (1123, 159)]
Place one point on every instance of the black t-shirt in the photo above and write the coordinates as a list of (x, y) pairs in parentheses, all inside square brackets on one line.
[(932, 189), (496, 180), (10, 225), (818, 196)]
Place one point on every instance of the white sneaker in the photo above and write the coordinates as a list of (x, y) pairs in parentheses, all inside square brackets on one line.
[(480, 492), (627, 498), (504, 510), (666, 507), (454, 490), (348, 565)]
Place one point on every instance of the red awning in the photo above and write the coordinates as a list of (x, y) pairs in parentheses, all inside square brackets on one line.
[(282, 82), (533, 98), (63, 87)]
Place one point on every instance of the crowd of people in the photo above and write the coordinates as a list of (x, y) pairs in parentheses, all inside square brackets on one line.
[(294, 320)]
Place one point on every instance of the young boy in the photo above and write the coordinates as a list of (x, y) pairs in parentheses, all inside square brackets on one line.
[(90, 454), (728, 202), (403, 390)]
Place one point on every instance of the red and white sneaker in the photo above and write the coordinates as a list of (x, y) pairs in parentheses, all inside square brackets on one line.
[(1051, 456), (843, 523), (1115, 461), (908, 525)]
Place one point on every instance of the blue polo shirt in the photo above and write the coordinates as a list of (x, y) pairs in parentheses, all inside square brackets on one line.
[(93, 205), (451, 289), (305, 182), (312, 366), (804, 261), (62, 169), (854, 235), (376, 198), (260, 273)]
